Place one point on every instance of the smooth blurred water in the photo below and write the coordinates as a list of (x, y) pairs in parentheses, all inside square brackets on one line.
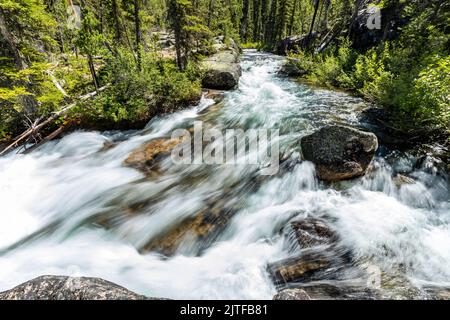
[(51, 202)]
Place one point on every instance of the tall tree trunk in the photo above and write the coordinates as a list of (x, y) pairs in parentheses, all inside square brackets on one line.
[(311, 29), (244, 20), (115, 12), (270, 24), (264, 4), (210, 12), (93, 73), (358, 4), (292, 19), (324, 24), (319, 16), (137, 24), (256, 15), (280, 20)]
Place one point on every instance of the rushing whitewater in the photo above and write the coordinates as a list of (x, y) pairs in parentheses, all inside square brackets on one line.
[(52, 199)]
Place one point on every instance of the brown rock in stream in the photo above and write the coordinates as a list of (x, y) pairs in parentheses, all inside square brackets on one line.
[(144, 157), (298, 268), (311, 232)]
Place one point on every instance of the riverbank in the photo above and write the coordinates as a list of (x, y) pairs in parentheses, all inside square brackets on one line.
[(391, 127)]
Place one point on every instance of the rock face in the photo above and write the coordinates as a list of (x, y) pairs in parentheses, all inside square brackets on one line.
[(222, 70), (339, 152), (70, 288), (390, 20), (292, 294)]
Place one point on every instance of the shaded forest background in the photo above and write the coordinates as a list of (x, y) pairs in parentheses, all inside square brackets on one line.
[(128, 60)]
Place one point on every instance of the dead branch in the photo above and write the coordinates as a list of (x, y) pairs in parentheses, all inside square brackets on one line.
[(37, 125)]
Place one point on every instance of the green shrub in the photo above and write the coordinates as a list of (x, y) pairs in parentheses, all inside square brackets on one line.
[(138, 95)]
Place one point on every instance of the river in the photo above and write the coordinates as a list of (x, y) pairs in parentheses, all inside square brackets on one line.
[(65, 207)]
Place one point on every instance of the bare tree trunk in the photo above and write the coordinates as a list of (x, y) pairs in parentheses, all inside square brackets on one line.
[(256, 15), (270, 23), (264, 4), (115, 12), (319, 16), (92, 70), (244, 20), (311, 29), (291, 21), (325, 17), (137, 23), (210, 12)]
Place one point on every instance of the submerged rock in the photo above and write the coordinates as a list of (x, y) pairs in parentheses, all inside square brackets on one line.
[(339, 152), (222, 70), (326, 291), (292, 294), (216, 95), (70, 288), (145, 157), (312, 232), (401, 179), (193, 233), (300, 268)]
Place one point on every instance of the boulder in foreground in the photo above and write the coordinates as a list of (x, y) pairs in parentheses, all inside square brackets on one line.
[(339, 152), (70, 288)]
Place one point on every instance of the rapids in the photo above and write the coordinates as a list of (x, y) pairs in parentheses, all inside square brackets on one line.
[(52, 199)]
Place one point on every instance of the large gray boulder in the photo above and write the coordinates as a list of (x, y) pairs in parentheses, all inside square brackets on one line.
[(339, 152), (70, 288), (222, 70)]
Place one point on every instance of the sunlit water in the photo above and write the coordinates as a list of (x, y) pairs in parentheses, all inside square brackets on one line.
[(52, 199)]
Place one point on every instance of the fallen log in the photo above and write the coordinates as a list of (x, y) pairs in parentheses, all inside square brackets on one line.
[(37, 125), (50, 137)]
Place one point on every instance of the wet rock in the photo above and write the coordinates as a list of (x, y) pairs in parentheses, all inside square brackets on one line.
[(145, 157), (191, 235), (198, 232), (438, 293), (292, 294), (300, 268), (107, 145), (325, 291), (216, 95), (70, 288), (430, 164), (339, 152), (222, 70), (400, 180), (312, 232)]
